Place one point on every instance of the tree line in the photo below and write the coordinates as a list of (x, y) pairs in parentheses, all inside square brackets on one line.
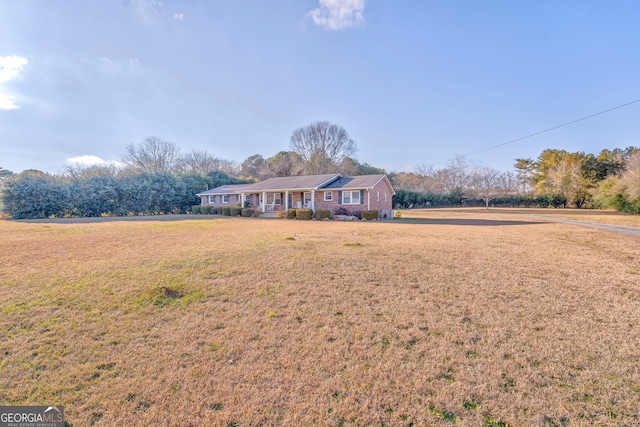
[(105, 192), (557, 178), (156, 177)]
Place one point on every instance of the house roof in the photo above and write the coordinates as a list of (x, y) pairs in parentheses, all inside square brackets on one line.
[(332, 181), (225, 189), (357, 182), (305, 182)]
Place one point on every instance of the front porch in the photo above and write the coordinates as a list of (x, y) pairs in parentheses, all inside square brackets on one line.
[(273, 202)]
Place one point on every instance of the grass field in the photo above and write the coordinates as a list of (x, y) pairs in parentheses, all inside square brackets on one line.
[(250, 322)]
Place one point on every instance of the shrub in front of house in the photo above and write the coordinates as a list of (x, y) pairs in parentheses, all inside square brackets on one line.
[(195, 209), (226, 210), (205, 209), (248, 212), (322, 214), (235, 211), (369, 215), (291, 214), (343, 211), (304, 213)]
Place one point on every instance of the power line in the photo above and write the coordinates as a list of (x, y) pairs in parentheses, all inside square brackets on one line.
[(549, 129)]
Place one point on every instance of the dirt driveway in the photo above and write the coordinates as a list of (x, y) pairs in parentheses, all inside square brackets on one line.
[(622, 229)]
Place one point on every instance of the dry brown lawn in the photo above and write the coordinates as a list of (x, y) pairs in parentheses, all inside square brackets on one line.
[(254, 322)]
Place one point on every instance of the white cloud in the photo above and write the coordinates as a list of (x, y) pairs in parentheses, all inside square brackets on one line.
[(10, 67), (338, 14), (89, 160), (178, 16)]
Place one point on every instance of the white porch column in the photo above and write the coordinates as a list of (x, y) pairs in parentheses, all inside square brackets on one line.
[(313, 200), (241, 200), (368, 200), (264, 200), (286, 200)]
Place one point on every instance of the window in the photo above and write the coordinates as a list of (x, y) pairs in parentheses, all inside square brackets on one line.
[(274, 198), (225, 198), (385, 197), (377, 196), (212, 199), (328, 196), (307, 200), (351, 197)]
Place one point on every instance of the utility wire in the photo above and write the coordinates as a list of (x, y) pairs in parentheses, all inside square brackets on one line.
[(550, 129)]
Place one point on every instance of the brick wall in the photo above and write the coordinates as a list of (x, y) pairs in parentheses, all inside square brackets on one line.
[(378, 194), (233, 200), (379, 198)]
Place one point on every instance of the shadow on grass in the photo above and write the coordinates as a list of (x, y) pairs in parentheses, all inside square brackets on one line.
[(461, 221), (414, 221), (179, 217)]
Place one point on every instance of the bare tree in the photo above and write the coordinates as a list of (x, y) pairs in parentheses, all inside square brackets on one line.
[(197, 163), (322, 146), (227, 166), (455, 178), (154, 155), (80, 171), (631, 175), (488, 184)]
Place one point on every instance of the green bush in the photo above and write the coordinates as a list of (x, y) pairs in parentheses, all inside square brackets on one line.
[(195, 209), (205, 209), (248, 212), (291, 214), (322, 214), (226, 210), (304, 213), (235, 211), (369, 215)]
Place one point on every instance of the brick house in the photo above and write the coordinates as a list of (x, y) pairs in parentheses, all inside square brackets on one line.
[(328, 191)]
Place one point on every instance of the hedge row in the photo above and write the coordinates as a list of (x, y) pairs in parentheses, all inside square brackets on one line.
[(304, 214), (223, 210), (321, 214), (369, 215), (95, 193)]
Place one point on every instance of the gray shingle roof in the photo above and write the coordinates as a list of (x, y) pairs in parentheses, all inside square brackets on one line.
[(304, 182), (332, 181), (225, 189), (354, 182)]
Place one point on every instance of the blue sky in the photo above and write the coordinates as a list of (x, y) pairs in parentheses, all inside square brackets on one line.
[(414, 82)]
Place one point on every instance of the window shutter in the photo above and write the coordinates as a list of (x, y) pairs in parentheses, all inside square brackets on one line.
[(339, 197), (362, 197)]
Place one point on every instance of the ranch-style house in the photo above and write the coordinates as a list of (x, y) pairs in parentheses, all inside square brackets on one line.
[(328, 191)]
